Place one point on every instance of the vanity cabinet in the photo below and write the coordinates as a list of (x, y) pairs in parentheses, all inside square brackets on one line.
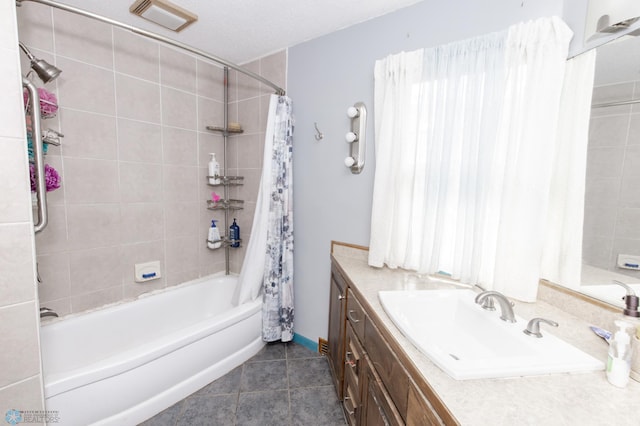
[(375, 382)]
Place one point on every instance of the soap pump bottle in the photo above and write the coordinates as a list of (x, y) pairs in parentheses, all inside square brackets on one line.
[(234, 234), (631, 315), (619, 358), (214, 241), (214, 170)]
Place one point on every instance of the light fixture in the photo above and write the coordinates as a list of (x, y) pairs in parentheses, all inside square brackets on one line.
[(163, 12), (44, 69)]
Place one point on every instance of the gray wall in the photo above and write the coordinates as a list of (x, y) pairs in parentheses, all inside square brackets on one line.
[(327, 75)]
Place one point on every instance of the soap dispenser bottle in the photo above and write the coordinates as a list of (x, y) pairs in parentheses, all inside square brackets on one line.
[(632, 317), (234, 234), (214, 170), (213, 240), (619, 358)]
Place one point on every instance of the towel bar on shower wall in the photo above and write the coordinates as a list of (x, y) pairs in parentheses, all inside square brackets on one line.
[(38, 156)]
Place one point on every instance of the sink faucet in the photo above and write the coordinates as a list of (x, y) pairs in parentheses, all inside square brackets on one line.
[(46, 312), (505, 305), (533, 327)]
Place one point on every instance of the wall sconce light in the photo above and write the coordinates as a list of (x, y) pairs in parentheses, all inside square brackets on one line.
[(356, 137), (164, 13)]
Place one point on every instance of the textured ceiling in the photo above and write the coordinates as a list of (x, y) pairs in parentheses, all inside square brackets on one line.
[(243, 30)]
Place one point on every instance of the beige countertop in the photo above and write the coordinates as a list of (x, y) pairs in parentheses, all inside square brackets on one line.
[(555, 399)]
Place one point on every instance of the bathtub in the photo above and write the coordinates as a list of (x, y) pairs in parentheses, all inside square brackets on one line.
[(123, 364)]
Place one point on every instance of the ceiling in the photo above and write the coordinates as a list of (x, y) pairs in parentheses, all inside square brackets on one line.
[(242, 30)]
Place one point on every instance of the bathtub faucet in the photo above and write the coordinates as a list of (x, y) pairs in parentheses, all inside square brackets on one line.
[(46, 312)]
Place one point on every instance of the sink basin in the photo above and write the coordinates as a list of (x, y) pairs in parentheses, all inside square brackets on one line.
[(468, 342)]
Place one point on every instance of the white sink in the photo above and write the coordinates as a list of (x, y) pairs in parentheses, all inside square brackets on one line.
[(468, 342)]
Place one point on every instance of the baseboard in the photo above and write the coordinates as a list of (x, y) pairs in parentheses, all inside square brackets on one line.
[(306, 342)]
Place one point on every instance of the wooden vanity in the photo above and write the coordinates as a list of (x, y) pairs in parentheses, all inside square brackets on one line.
[(382, 379), (374, 380)]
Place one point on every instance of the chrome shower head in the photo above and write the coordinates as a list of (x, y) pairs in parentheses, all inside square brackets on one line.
[(44, 69)]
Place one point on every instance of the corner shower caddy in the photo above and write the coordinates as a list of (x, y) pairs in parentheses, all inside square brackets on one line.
[(226, 203)]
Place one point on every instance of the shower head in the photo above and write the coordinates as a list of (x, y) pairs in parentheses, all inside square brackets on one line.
[(44, 69)]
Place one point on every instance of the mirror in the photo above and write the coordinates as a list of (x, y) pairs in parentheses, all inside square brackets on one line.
[(611, 240)]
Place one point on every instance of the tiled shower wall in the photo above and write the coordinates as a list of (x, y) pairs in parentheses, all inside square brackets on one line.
[(134, 157), (612, 200), (20, 379)]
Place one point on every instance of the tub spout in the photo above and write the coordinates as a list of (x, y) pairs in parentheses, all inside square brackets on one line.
[(46, 312)]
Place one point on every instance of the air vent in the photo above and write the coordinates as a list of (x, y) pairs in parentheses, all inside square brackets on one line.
[(323, 346), (164, 13)]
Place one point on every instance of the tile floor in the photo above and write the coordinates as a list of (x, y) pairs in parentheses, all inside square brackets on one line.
[(284, 384)]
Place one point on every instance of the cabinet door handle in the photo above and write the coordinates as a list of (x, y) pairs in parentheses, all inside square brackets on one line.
[(349, 314), (341, 297), (349, 412), (350, 362)]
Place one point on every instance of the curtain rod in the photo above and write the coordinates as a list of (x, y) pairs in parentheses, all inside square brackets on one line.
[(160, 38), (610, 104)]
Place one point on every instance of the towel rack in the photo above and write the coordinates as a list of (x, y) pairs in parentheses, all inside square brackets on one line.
[(38, 156)]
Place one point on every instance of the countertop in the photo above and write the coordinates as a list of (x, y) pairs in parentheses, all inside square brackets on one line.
[(555, 399)]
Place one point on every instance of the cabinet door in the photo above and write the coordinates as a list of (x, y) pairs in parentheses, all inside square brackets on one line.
[(377, 407), (336, 335), (419, 410)]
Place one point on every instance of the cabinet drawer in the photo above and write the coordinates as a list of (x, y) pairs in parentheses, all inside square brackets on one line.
[(419, 410), (352, 399), (355, 315), (354, 354), (394, 377)]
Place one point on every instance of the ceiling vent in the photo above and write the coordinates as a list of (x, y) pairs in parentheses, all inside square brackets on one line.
[(163, 12)]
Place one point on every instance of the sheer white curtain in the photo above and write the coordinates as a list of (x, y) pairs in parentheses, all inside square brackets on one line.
[(562, 254), (465, 143)]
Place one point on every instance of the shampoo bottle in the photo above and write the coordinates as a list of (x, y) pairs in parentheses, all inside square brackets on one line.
[(214, 170), (619, 358), (234, 234), (213, 239)]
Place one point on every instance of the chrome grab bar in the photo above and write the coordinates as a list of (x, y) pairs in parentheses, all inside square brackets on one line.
[(38, 156)]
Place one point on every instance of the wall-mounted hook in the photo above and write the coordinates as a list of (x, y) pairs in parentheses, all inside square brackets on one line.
[(356, 137), (319, 135)]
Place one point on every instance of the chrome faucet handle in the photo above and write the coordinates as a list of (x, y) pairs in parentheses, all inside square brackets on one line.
[(487, 304), (533, 327), (506, 306), (47, 312)]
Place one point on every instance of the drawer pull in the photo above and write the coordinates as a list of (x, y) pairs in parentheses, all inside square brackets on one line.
[(349, 412), (349, 314), (350, 362)]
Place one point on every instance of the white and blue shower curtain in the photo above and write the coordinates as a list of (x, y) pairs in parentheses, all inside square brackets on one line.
[(268, 264)]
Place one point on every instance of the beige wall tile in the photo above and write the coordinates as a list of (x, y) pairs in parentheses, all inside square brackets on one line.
[(53, 238), (209, 80), (11, 108), (93, 225), (19, 330), (181, 220), (35, 25), (177, 69), (179, 277), (25, 395), (179, 146), (182, 254), (605, 162), (274, 69), (610, 130), (85, 87), (634, 130), (180, 184), (7, 20), (210, 113), (139, 141), (249, 150), (249, 115), (138, 99), (17, 279), (627, 224), (140, 183), (94, 269), (208, 143), (142, 222), (84, 302), (14, 199), (91, 181), (88, 135), (248, 87), (83, 39), (178, 109), (54, 275), (136, 55)]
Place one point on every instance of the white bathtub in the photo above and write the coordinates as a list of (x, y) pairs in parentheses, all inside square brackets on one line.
[(125, 363)]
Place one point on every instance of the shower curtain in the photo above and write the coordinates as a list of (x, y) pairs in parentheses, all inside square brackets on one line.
[(268, 264)]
